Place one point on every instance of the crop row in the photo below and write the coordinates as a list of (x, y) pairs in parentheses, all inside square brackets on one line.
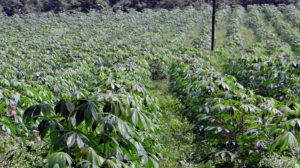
[(222, 15), (96, 72), (291, 13), (234, 33), (275, 76), (233, 123), (84, 78), (203, 39), (284, 29), (271, 42), (115, 104)]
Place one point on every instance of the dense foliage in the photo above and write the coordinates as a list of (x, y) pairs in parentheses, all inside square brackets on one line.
[(287, 32), (85, 94), (233, 122), (270, 41), (76, 89), (277, 77), (11, 7), (234, 33)]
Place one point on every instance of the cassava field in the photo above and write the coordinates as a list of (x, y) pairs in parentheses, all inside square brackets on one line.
[(142, 89)]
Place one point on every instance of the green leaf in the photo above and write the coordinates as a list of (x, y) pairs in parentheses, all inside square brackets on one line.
[(79, 141), (44, 127), (134, 116), (59, 160), (154, 163), (32, 111), (122, 129), (109, 164), (143, 121), (46, 109), (286, 140), (64, 107), (59, 140), (90, 155), (87, 111), (71, 140)]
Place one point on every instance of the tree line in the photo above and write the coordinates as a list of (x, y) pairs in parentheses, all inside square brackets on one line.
[(11, 7)]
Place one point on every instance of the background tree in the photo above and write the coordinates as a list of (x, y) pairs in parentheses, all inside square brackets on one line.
[(11, 7)]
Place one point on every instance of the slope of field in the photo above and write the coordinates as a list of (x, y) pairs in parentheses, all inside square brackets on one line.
[(115, 89)]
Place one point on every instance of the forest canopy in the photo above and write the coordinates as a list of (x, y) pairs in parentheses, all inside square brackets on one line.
[(11, 7)]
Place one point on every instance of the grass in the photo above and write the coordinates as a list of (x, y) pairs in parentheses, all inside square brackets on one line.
[(221, 33), (249, 37), (176, 136), (193, 34)]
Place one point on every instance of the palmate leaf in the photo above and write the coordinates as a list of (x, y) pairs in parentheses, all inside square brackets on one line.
[(123, 129), (74, 137), (294, 106), (59, 160), (150, 125), (153, 163), (92, 156), (148, 161), (218, 108), (249, 108), (222, 85), (108, 123), (225, 153), (287, 140), (124, 165), (64, 108), (141, 120), (87, 111), (48, 125), (139, 147), (71, 140), (1, 95), (90, 159), (113, 123), (36, 111), (109, 164), (85, 164), (31, 111), (43, 127), (293, 123), (6, 128), (79, 141), (134, 116), (114, 107), (58, 139)]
